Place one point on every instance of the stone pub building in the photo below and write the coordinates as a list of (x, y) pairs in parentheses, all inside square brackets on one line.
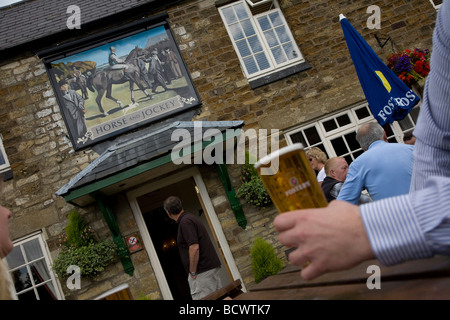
[(79, 131)]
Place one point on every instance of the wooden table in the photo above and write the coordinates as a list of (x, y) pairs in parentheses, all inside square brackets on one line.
[(421, 279)]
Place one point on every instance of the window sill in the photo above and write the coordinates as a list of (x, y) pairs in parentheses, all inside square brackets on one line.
[(275, 76), (6, 175)]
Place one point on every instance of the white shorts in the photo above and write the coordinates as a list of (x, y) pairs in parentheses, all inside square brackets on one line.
[(205, 283)]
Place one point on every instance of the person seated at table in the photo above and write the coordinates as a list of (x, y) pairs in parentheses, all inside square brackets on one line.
[(384, 169), (395, 229), (336, 169), (317, 159)]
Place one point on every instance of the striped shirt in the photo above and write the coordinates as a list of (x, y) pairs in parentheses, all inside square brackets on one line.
[(417, 225)]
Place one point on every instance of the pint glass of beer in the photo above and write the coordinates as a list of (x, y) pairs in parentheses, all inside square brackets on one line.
[(290, 180)]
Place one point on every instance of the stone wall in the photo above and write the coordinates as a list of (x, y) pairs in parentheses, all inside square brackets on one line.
[(43, 160)]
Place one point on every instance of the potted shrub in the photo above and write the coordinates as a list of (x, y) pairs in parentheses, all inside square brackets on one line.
[(79, 247), (252, 189), (264, 260)]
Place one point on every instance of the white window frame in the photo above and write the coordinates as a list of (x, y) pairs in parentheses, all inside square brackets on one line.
[(355, 122), (274, 66), (46, 256), (436, 6), (6, 166)]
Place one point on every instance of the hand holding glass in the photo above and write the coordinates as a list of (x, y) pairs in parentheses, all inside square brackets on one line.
[(292, 185)]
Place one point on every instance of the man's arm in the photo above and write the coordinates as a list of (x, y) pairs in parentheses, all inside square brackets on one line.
[(393, 230), (194, 253), (325, 238), (412, 226)]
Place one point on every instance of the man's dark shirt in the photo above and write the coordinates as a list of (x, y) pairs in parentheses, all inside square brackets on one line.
[(328, 184), (191, 231)]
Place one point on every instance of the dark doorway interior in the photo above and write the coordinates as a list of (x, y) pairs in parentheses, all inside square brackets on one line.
[(163, 232)]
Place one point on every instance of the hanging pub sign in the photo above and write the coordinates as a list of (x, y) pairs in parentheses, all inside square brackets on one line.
[(120, 83)]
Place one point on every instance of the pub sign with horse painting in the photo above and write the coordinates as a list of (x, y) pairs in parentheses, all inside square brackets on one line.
[(123, 84)]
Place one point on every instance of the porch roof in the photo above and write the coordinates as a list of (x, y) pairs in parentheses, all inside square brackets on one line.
[(128, 163)]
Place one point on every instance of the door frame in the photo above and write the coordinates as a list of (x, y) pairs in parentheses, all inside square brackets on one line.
[(194, 173)]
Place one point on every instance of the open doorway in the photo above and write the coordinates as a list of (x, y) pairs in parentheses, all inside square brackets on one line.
[(162, 232)]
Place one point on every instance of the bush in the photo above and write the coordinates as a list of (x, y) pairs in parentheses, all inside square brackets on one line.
[(91, 259), (79, 248), (78, 233), (252, 189), (264, 260), (254, 192)]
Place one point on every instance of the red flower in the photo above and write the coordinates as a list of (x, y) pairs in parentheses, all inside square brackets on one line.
[(410, 66)]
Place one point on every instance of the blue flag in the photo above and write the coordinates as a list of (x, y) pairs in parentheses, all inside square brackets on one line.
[(388, 97)]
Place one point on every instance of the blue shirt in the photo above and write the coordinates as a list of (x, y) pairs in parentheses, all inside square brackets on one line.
[(384, 170), (417, 225)]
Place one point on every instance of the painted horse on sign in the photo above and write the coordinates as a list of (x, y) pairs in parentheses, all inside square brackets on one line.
[(103, 80)]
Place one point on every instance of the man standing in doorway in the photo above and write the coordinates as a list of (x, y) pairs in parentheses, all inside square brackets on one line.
[(196, 250)]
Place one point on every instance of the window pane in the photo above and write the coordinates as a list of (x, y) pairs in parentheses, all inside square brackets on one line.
[(243, 48), (276, 19), (298, 138), (250, 65), (33, 250), (21, 279), (349, 159), (289, 50), (282, 35), (15, 258), (236, 31), (330, 125), (313, 136), (351, 141), (45, 292), (263, 63), (255, 44), (264, 23), (358, 153), (271, 38), (343, 120), (339, 146), (229, 15), (388, 129), (278, 53), (248, 28), (241, 12), (406, 123), (40, 271), (27, 296), (322, 147), (362, 113)]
